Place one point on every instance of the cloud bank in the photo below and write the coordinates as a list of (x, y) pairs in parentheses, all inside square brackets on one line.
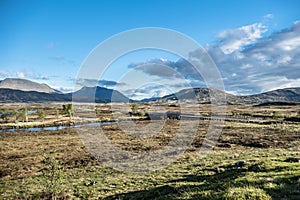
[(25, 74), (95, 82), (249, 61), (269, 63)]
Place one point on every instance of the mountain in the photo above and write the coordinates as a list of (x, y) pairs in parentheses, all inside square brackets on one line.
[(203, 95), (99, 95), (21, 90), (280, 95), (13, 96), (26, 85)]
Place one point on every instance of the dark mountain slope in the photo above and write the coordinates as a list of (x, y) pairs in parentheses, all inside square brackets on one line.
[(99, 95), (12, 96)]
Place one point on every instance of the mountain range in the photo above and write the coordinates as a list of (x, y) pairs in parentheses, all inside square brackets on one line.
[(205, 95), (21, 90)]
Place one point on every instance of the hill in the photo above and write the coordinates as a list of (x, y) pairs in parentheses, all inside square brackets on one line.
[(203, 95), (280, 95), (26, 85), (99, 95), (12, 96)]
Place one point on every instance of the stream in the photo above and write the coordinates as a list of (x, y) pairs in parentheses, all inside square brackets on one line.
[(54, 128)]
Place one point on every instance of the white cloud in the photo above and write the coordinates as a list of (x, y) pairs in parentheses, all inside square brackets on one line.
[(64, 89), (25, 74), (4, 74), (259, 56), (270, 63), (248, 61), (235, 39), (268, 16), (289, 44), (246, 66), (276, 82), (20, 74), (146, 91), (284, 60)]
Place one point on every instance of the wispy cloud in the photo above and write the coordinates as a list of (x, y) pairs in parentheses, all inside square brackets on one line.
[(146, 92), (57, 58), (50, 45), (268, 16), (108, 83), (64, 89)]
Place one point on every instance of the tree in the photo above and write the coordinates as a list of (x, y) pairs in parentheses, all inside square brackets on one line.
[(68, 110), (5, 115), (134, 108), (42, 115), (136, 111), (24, 115), (14, 113)]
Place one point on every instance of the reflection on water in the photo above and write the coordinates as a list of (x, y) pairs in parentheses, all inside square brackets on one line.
[(31, 112), (54, 128)]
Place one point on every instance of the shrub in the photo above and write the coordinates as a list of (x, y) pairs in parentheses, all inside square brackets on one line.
[(53, 176)]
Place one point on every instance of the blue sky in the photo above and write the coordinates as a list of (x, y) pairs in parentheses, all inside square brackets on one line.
[(47, 41)]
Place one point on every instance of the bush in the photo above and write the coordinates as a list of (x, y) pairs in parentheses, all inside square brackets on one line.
[(53, 176), (68, 109)]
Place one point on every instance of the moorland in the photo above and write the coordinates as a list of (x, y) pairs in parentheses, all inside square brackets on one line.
[(255, 157)]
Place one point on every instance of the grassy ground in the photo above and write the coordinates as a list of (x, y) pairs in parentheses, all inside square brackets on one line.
[(55, 164)]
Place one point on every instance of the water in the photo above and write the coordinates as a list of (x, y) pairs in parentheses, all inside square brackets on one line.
[(54, 128), (31, 112)]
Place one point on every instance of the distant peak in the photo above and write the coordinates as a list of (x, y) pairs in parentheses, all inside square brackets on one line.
[(26, 85)]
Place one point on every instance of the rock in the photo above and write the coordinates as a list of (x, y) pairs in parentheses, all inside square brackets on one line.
[(91, 183), (240, 163), (224, 145)]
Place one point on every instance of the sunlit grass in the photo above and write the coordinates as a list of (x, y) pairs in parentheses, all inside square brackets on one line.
[(264, 176)]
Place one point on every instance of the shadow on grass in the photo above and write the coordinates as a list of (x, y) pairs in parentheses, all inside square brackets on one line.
[(222, 185), (171, 191)]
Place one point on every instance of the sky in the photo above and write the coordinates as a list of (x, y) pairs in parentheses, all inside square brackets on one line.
[(254, 44)]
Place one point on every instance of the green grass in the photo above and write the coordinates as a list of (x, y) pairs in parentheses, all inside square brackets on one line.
[(264, 176)]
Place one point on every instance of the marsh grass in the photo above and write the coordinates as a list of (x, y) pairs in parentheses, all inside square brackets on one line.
[(68, 171)]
